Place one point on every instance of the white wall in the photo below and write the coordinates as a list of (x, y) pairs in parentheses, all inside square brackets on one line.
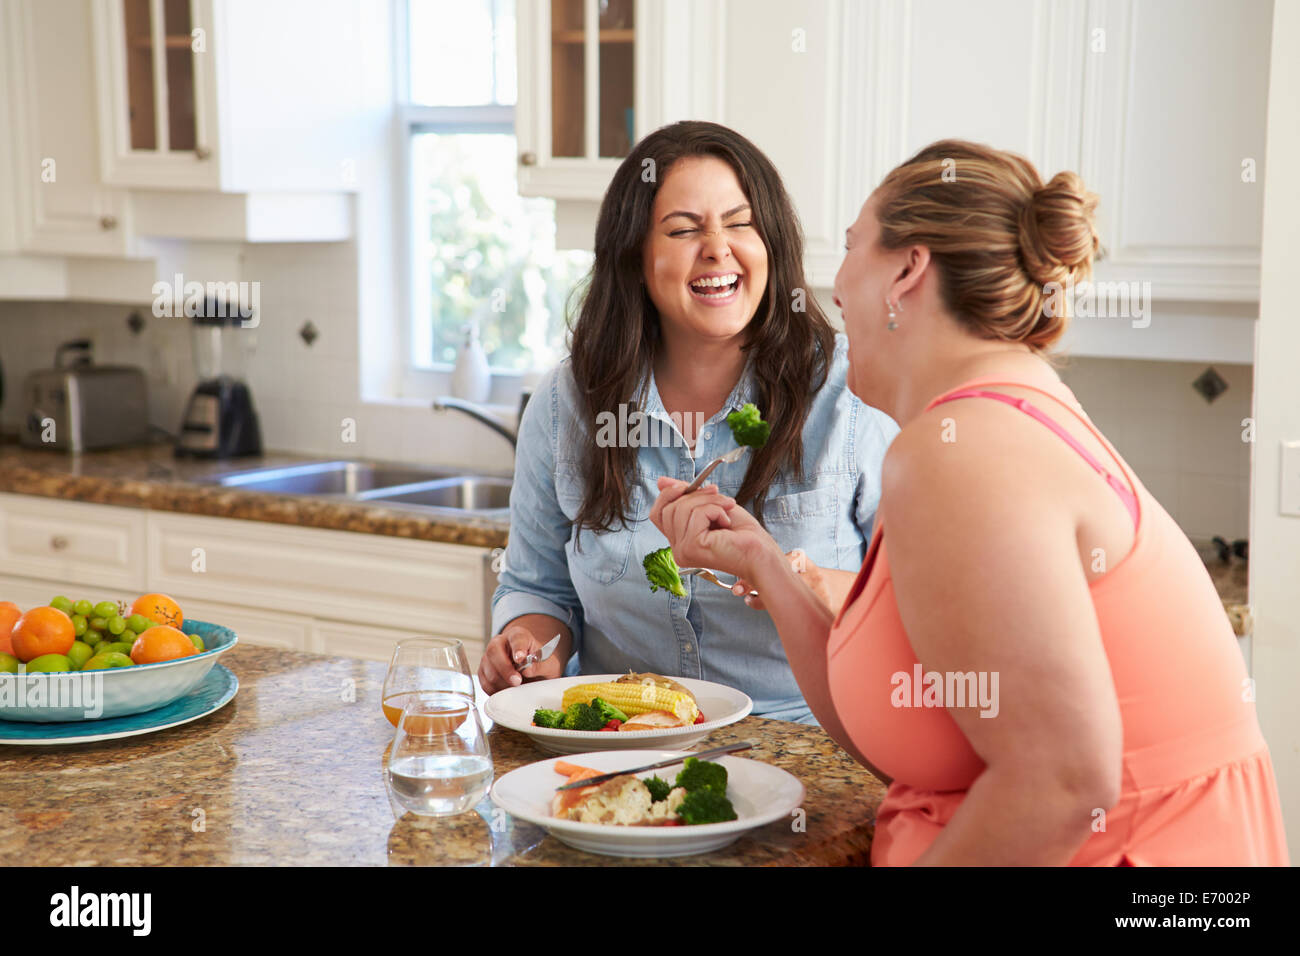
[(1275, 539)]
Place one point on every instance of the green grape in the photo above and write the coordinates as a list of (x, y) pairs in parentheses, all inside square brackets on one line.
[(139, 623), (63, 604), (197, 642), (105, 609), (116, 625), (79, 653), (79, 625), (98, 624), (90, 637), (84, 608)]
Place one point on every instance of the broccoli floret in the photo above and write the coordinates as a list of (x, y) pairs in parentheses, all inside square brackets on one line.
[(607, 710), (658, 787), (706, 806), (702, 775), (661, 572), (549, 718), (582, 716), (748, 426)]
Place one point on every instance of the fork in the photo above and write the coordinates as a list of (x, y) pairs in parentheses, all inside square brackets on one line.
[(709, 576), (727, 459)]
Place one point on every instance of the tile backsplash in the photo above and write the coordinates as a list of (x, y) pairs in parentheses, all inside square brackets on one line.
[(1188, 453)]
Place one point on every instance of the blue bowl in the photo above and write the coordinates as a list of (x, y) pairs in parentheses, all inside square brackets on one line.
[(116, 691)]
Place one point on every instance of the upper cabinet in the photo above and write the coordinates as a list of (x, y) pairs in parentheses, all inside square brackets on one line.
[(1158, 104), (235, 95)]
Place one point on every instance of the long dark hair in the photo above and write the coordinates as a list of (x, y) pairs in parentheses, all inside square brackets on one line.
[(616, 335)]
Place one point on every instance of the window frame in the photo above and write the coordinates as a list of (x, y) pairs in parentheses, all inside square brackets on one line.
[(411, 120)]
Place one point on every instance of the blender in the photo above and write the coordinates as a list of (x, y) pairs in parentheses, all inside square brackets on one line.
[(220, 421)]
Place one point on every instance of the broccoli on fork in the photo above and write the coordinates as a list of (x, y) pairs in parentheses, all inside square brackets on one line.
[(748, 427), (661, 571)]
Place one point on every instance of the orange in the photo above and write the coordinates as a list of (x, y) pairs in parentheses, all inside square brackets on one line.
[(161, 643), (42, 630), (159, 608), (9, 615)]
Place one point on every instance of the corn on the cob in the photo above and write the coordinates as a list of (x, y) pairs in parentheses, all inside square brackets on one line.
[(634, 699)]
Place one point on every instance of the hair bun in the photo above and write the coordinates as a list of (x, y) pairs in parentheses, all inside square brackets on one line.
[(1058, 231)]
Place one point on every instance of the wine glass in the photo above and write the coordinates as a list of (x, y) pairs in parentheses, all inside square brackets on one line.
[(440, 763), (424, 664)]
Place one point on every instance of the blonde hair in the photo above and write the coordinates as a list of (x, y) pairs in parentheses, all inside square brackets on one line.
[(998, 235)]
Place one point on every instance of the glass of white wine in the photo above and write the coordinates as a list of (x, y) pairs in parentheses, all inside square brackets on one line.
[(421, 665), (440, 763)]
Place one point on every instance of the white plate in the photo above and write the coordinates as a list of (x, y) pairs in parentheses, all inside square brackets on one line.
[(760, 793), (514, 708)]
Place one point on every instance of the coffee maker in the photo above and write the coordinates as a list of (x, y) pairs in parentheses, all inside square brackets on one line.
[(220, 421)]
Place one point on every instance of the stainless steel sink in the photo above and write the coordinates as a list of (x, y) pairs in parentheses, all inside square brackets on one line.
[(434, 489), (470, 493)]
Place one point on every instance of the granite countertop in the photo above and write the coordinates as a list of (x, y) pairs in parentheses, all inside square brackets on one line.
[(150, 476), (291, 772)]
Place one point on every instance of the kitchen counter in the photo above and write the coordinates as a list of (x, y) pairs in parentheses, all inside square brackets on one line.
[(149, 476), (291, 772)]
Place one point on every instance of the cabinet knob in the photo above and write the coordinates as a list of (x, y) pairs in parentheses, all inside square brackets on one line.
[(58, 542), (107, 222), (528, 159), (202, 152)]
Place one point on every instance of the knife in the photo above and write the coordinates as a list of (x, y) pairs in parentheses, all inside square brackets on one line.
[(702, 755), (538, 656)]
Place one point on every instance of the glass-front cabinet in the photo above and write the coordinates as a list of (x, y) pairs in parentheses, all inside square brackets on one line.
[(156, 113), (585, 92)]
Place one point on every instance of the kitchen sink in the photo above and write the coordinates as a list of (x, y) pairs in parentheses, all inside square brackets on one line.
[(471, 493), (436, 489)]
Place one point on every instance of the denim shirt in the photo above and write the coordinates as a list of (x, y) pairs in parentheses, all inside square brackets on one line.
[(595, 582)]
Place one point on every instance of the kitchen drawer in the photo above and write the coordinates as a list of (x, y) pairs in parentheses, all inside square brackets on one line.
[(376, 644), (287, 631), (93, 545), (333, 575), (32, 592)]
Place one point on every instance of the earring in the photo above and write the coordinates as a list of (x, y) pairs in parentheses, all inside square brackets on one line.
[(892, 314)]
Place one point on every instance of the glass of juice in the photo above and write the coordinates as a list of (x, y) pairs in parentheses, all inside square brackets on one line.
[(424, 665), (440, 763)]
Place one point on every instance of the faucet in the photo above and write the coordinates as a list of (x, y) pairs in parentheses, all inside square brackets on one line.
[(479, 413)]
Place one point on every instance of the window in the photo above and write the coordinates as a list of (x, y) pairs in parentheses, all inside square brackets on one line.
[(479, 252)]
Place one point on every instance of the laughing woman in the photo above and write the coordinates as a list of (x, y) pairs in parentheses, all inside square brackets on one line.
[(697, 305)]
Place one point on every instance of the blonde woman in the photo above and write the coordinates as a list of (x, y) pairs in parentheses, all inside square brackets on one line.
[(1032, 655)]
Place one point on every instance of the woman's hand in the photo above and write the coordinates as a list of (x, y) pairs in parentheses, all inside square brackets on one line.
[(497, 670), (709, 530)]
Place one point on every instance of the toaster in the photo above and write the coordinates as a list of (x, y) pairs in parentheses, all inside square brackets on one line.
[(84, 407)]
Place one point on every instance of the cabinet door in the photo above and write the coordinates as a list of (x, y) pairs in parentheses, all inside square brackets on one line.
[(61, 204), (339, 575), (376, 644), (155, 76), (93, 545), (290, 632), (585, 69)]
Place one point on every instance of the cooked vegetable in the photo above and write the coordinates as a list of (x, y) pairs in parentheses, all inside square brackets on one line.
[(661, 571), (748, 426), (583, 716), (549, 718), (699, 775), (706, 806), (633, 699), (658, 787)]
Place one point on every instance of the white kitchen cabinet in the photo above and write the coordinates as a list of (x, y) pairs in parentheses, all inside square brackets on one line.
[(89, 544), (342, 639), (232, 95), (60, 204)]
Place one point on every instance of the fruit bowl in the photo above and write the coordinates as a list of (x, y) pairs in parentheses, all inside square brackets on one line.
[(115, 692)]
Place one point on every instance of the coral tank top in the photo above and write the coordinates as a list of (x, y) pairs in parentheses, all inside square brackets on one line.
[(1198, 786)]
